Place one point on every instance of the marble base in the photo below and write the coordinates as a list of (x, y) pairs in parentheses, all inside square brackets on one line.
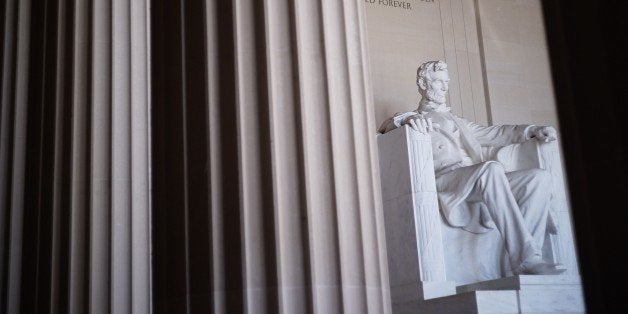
[(516, 294), (538, 294), (426, 256), (525, 282), (471, 302), (422, 291)]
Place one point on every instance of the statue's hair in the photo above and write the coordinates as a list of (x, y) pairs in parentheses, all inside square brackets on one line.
[(427, 68)]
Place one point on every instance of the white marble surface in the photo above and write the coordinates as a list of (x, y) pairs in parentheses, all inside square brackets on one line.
[(461, 245), (501, 301), (525, 282), (470, 302), (563, 244), (551, 301), (412, 220), (467, 158), (483, 254), (516, 294), (492, 194), (436, 29), (410, 291), (538, 294), (517, 67)]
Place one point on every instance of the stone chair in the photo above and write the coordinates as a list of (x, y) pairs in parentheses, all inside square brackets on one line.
[(427, 257)]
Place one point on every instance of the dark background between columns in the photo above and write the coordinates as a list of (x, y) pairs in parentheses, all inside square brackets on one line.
[(181, 235), (589, 67), (49, 107)]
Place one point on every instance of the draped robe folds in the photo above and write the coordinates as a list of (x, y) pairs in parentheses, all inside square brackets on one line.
[(467, 148)]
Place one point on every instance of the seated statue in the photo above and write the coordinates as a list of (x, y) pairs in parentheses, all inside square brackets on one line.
[(515, 203)]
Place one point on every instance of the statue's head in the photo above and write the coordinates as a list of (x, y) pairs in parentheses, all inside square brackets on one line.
[(432, 79)]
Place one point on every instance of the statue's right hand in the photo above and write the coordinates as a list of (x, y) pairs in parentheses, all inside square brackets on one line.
[(421, 124)]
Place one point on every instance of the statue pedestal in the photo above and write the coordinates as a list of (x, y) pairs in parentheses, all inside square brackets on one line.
[(412, 220), (516, 294)]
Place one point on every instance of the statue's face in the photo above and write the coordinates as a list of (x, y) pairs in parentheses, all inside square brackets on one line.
[(438, 86)]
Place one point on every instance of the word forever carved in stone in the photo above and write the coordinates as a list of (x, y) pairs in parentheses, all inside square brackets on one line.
[(392, 3)]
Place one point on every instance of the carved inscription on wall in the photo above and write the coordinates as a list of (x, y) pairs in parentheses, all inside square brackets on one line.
[(395, 4)]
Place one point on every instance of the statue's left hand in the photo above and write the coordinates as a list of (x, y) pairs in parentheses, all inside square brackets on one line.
[(544, 133), (422, 125)]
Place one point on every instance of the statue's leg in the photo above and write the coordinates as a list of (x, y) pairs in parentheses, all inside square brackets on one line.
[(493, 188), (532, 190)]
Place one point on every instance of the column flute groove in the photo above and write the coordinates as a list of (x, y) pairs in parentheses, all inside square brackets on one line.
[(18, 158), (256, 193), (325, 262), (185, 147), (362, 126), (58, 289), (100, 176), (140, 161), (6, 112), (377, 218), (343, 144), (215, 192), (120, 128), (284, 129), (81, 143)]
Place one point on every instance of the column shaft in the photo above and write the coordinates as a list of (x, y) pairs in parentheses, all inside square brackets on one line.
[(18, 158), (81, 142), (296, 224), (225, 144), (61, 169), (121, 158), (140, 162), (100, 176), (6, 123)]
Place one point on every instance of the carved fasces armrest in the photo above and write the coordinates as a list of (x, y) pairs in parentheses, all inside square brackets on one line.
[(411, 214)]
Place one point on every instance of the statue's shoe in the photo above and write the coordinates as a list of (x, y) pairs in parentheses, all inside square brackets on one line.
[(540, 268)]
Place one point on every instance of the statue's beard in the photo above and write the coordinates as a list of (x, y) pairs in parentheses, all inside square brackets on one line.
[(435, 96)]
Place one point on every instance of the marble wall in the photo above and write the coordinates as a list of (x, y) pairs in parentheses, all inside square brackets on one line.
[(517, 62), (495, 50), (399, 40)]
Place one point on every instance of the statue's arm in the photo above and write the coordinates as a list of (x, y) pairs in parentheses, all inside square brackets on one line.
[(493, 138), (500, 135), (395, 121)]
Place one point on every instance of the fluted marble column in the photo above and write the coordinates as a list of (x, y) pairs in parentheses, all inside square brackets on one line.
[(291, 216), (74, 211), (80, 187), (188, 156), (309, 215), (8, 55), (17, 153)]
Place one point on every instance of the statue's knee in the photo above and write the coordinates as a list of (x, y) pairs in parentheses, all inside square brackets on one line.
[(494, 168), (541, 176)]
